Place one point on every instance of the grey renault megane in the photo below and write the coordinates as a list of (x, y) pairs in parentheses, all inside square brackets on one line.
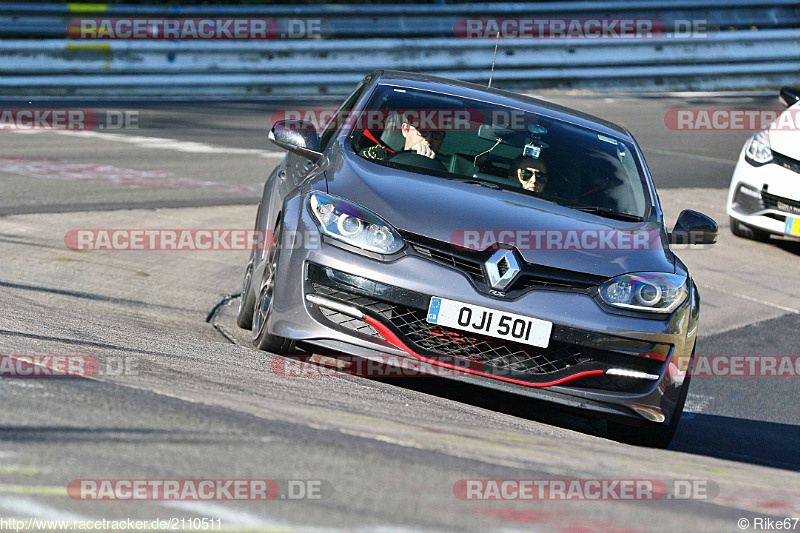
[(519, 243)]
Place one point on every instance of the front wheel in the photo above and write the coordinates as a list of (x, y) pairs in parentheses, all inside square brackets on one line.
[(262, 339), (247, 301), (748, 232)]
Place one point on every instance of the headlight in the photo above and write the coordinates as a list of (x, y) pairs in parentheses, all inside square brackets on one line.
[(645, 291), (354, 225), (759, 149)]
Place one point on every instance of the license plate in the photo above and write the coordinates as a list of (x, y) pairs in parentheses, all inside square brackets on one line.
[(477, 319), (792, 226)]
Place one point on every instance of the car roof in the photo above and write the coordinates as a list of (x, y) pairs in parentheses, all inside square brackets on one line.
[(498, 96)]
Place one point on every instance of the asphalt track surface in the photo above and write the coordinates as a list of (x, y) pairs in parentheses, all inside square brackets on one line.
[(194, 401)]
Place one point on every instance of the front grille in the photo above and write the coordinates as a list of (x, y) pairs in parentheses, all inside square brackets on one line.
[(748, 203), (473, 269), (530, 280), (494, 356), (779, 203), (786, 162), (470, 262), (430, 339)]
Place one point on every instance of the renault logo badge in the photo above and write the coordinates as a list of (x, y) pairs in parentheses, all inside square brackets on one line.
[(501, 269)]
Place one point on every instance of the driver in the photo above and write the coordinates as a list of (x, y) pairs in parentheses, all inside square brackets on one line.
[(422, 142), (530, 172)]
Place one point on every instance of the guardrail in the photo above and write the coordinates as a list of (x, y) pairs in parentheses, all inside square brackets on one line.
[(732, 59)]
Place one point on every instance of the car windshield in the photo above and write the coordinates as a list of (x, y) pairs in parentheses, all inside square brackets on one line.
[(501, 147)]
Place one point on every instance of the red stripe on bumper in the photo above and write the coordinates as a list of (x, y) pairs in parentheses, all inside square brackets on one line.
[(387, 334)]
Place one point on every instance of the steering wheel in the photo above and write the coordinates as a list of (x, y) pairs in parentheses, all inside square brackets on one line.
[(413, 159)]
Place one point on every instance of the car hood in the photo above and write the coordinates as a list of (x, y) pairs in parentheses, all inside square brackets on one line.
[(443, 209), (786, 140)]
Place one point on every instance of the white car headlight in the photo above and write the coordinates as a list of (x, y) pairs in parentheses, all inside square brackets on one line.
[(645, 291), (352, 224), (759, 149)]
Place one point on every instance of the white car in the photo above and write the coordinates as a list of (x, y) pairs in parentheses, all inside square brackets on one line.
[(764, 196)]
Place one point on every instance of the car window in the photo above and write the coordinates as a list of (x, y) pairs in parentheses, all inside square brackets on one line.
[(330, 129), (507, 147)]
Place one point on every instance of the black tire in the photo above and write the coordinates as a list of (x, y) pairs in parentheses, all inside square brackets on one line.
[(652, 434), (748, 232), (262, 305), (247, 301)]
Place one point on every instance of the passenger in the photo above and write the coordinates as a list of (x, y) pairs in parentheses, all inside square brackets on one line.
[(530, 172)]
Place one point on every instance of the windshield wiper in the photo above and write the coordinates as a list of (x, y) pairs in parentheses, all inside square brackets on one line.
[(487, 184), (608, 213)]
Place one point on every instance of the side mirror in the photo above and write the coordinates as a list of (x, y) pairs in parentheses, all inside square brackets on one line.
[(694, 228), (298, 137), (789, 96)]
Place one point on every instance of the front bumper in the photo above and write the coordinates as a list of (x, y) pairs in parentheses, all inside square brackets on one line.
[(393, 295), (766, 196)]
